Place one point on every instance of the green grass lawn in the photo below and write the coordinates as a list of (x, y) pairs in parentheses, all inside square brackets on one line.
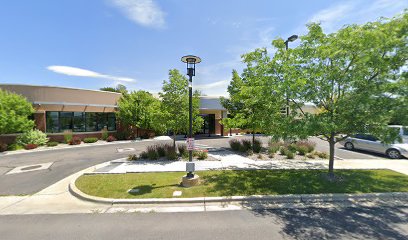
[(241, 183)]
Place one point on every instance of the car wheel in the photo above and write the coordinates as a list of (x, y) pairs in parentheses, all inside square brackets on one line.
[(349, 146), (393, 153)]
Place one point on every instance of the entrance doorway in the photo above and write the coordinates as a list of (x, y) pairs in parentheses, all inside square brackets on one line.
[(209, 124)]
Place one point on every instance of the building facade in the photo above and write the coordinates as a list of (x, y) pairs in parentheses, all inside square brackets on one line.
[(86, 112)]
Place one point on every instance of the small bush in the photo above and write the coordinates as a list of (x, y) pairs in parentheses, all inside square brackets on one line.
[(246, 144), (182, 148), (144, 155), (283, 150), (249, 152), (170, 153), (260, 156), (68, 136), (322, 155), (302, 150), (30, 146), (271, 155), (75, 141), (111, 139), (290, 155), (152, 153), (32, 137), (257, 147), (311, 156), (105, 134), (52, 144), (90, 140), (3, 147), (132, 157), (235, 144), (161, 150), (201, 155), (14, 147), (310, 146), (292, 147), (185, 155)]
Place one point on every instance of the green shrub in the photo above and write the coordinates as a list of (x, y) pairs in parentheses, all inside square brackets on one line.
[(132, 157), (201, 155), (273, 149), (310, 146), (311, 155), (182, 148), (30, 146), (104, 134), (283, 150), (152, 153), (170, 153), (32, 137), (68, 136), (302, 150), (292, 147), (14, 147), (185, 155), (52, 144), (323, 155), (247, 144), (144, 155), (3, 147), (257, 147), (290, 155), (161, 149), (75, 141), (90, 140), (249, 152), (235, 144)]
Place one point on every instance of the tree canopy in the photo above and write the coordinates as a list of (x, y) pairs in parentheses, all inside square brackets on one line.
[(355, 76), (175, 104), (119, 89), (15, 111)]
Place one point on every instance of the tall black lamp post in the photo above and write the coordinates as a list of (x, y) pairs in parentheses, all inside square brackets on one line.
[(191, 61), (290, 39)]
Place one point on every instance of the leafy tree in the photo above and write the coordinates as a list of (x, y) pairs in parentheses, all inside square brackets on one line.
[(15, 111), (119, 89), (400, 110), (175, 105), (139, 109)]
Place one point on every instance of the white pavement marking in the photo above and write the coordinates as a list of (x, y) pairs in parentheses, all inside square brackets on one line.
[(120, 150), (30, 168)]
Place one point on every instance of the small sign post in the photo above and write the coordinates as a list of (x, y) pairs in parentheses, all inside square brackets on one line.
[(190, 144)]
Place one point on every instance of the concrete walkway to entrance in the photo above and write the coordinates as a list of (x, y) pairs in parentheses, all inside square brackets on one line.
[(229, 160)]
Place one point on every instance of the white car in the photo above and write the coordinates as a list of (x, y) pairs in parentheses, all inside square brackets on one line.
[(372, 144)]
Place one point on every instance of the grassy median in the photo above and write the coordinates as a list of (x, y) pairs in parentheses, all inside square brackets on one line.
[(242, 183)]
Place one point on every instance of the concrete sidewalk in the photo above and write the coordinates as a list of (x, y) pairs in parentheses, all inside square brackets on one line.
[(229, 160)]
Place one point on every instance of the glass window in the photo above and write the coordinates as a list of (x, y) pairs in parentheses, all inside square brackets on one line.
[(91, 122), (79, 122), (52, 122), (65, 121), (101, 120), (111, 122), (405, 131)]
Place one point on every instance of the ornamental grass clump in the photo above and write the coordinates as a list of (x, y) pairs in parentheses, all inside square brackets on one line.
[(143, 155), (201, 155), (246, 144), (283, 150), (68, 136), (132, 157), (310, 146), (169, 152), (257, 147), (302, 150), (152, 153), (290, 155), (161, 150), (75, 141), (182, 148), (235, 144), (323, 155)]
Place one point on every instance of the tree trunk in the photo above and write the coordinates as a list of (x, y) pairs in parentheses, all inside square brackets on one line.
[(137, 132), (174, 141), (332, 142)]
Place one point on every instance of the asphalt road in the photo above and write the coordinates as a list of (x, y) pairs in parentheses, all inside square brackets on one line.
[(70, 161), (306, 223)]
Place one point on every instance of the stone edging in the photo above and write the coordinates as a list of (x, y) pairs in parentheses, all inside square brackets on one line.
[(290, 198)]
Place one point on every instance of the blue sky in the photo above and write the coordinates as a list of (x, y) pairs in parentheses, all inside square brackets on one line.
[(96, 43)]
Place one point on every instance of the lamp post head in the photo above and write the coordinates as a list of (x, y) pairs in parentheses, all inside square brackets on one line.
[(191, 61), (292, 38)]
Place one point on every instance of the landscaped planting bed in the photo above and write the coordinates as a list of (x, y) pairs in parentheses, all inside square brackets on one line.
[(276, 150), (242, 183)]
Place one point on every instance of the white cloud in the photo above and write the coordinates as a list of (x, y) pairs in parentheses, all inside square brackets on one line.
[(215, 85), (144, 12), (79, 72)]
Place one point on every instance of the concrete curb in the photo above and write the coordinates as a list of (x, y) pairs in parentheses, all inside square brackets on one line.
[(290, 198)]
